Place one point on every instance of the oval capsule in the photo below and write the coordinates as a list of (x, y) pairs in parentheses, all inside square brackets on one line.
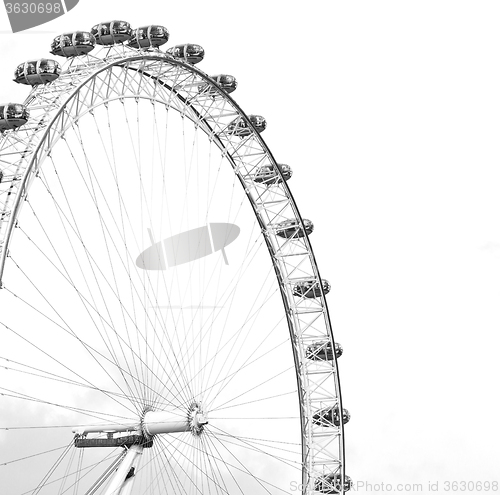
[(311, 288), (330, 416), (149, 36), (190, 53), (322, 351), (268, 175), (331, 484), (292, 228), (12, 116), (112, 32), (224, 81), (73, 44), (35, 72), (240, 127)]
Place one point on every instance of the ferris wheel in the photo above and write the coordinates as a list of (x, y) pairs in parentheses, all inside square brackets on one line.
[(164, 324)]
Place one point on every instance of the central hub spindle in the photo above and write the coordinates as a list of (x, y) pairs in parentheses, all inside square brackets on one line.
[(161, 422)]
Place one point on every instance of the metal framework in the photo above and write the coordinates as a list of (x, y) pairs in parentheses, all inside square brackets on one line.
[(123, 72)]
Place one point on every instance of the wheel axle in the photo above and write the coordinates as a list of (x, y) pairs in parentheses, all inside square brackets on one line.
[(142, 433)]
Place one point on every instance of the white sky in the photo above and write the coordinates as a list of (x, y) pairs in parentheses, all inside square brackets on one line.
[(389, 114)]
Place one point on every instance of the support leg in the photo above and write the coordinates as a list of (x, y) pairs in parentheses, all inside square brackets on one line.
[(120, 484)]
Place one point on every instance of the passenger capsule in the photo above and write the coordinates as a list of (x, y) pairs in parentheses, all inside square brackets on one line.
[(322, 351), (72, 44), (267, 174), (224, 81), (148, 36), (12, 116), (240, 127), (110, 33), (330, 416), (192, 54), (311, 288), (36, 72), (332, 484), (292, 228)]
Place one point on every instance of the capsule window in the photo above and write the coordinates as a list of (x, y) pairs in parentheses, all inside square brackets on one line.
[(14, 111), (48, 67), (31, 68), (79, 37)]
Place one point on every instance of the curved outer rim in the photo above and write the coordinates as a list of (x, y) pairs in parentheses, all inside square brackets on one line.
[(310, 468)]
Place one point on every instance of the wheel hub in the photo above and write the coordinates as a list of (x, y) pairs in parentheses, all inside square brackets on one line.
[(197, 418)]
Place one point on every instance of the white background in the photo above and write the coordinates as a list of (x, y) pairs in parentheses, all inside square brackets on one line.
[(389, 114)]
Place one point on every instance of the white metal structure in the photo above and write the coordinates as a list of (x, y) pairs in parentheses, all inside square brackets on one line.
[(150, 300)]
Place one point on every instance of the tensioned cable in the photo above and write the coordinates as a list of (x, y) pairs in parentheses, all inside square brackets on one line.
[(87, 412), (58, 378), (90, 468), (100, 216), (94, 198), (143, 195), (114, 170), (253, 388), (33, 455), (254, 401), (248, 445), (123, 207), (95, 351), (192, 465), (91, 306), (68, 278), (242, 469), (53, 468), (59, 362), (206, 459)]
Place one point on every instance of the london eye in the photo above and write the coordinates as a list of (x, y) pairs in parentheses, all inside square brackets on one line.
[(164, 322)]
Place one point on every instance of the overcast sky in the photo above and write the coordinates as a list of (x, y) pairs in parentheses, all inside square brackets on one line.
[(389, 114)]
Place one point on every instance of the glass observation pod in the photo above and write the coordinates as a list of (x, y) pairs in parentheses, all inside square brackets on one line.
[(330, 416), (239, 127), (110, 33), (224, 81), (36, 72), (190, 53), (311, 288), (332, 484), (72, 44), (149, 36), (322, 351), (12, 116), (292, 228), (268, 174)]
